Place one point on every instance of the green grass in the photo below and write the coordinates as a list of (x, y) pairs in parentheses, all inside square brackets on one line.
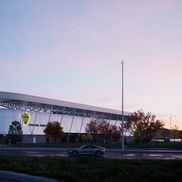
[(94, 169)]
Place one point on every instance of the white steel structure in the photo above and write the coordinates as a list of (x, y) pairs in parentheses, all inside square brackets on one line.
[(72, 116)]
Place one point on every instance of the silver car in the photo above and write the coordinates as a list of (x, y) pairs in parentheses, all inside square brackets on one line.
[(88, 150)]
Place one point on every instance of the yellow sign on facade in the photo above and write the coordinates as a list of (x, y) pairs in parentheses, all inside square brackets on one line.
[(25, 118)]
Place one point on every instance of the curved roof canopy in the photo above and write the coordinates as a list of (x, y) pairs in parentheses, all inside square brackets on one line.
[(42, 104)]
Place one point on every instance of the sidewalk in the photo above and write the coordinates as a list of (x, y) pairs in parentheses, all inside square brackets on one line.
[(8, 176)]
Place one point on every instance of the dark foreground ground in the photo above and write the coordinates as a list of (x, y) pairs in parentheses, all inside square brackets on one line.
[(94, 169), (9, 176)]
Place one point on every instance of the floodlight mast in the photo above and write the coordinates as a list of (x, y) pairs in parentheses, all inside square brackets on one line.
[(122, 113)]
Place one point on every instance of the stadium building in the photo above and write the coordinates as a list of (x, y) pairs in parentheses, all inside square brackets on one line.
[(72, 116)]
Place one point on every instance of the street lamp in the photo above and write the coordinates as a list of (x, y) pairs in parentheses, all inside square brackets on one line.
[(122, 91)]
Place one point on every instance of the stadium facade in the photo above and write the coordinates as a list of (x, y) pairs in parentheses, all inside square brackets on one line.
[(72, 116)]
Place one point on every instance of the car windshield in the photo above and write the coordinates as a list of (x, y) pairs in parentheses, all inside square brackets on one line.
[(93, 147), (90, 146), (84, 147)]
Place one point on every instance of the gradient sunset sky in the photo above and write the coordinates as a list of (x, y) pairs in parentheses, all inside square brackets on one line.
[(71, 50)]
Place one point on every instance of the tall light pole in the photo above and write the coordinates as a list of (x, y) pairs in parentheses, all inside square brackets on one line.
[(122, 91)]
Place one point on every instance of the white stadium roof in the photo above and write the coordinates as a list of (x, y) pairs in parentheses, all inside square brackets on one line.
[(9, 97)]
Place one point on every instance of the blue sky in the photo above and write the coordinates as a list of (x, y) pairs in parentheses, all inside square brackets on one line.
[(71, 50)]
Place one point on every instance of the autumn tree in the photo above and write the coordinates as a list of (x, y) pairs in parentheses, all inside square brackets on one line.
[(103, 128), (93, 128), (54, 130), (86, 137), (115, 133), (143, 126), (175, 133), (180, 135)]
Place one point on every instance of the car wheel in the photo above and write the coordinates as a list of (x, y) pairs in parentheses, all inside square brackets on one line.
[(98, 153), (75, 152)]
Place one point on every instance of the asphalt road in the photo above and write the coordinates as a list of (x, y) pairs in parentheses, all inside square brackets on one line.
[(110, 152)]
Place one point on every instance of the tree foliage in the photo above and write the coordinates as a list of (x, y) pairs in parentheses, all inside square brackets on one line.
[(180, 135), (98, 127), (143, 126), (15, 133), (175, 133), (54, 130), (86, 137), (115, 133)]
